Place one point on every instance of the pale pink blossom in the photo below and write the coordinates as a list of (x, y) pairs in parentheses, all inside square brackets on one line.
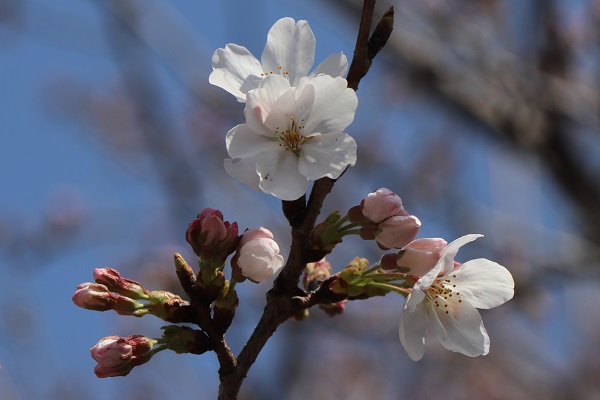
[(447, 298), (258, 257), (293, 135)]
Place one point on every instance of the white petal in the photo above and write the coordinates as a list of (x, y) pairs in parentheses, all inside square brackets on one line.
[(270, 106), (242, 142), (413, 327), (327, 155), (448, 254), (483, 283), (235, 66), (334, 65), (426, 280), (333, 107), (461, 329), (279, 175), (244, 170), (291, 46)]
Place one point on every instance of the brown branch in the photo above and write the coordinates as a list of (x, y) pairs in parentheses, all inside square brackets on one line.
[(187, 278), (367, 47)]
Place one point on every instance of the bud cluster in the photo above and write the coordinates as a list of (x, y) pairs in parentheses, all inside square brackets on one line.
[(255, 257), (380, 216), (127, 297)]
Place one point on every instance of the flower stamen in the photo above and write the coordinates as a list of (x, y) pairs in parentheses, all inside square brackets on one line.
[(280, 71), (292, 138), (440, 292)]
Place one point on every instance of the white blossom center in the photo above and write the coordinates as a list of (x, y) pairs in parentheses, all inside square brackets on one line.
[(292, 138), (441, 292), (279, 71)]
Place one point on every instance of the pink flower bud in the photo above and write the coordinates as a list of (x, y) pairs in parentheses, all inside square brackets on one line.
[(215, 229), (382, 204), (92, 296), (97, 297), (420, 255), (111, 278), (116, 355), (111, 351), (397, 231), (258, 256)]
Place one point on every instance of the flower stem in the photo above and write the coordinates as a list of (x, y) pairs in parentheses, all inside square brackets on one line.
[(390, 287), (371, 269)]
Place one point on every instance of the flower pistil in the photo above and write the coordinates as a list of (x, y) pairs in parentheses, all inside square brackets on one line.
[(292, 138)]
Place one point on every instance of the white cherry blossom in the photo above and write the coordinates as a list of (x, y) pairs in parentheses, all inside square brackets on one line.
[(293, 135), (447, 298), (289, 52)]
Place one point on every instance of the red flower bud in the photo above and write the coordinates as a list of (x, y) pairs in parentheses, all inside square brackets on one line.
[(211, 238)]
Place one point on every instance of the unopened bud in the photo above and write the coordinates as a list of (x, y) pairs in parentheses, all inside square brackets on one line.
[(397, 231), (420, 255), (93, 296), (257, 255), (117, 356), (111, 278), (382, 204), (211, 238)]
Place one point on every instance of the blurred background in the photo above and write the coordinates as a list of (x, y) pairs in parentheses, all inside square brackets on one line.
[(483, 115)]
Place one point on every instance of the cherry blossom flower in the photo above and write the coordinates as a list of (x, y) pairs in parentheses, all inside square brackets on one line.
[(293, 135), (289, 52), (447, 298)]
